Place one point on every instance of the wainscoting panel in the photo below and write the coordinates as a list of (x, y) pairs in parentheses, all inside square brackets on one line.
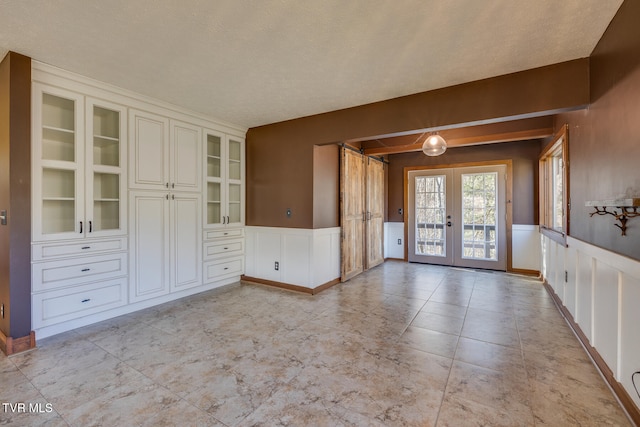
[(306, 258), (602, 295), (584, 297)]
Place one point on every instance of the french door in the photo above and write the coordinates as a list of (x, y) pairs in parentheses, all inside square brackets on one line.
[(457, 216)]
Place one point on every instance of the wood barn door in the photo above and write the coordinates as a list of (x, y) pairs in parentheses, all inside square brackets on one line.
[(374, 245), (361, 213)]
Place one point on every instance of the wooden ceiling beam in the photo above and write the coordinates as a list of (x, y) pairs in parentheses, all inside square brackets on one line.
[(518, 130)]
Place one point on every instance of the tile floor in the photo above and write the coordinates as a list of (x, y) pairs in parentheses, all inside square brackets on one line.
[(402, 344)]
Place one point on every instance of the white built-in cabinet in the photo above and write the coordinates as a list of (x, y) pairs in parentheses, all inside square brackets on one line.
[(166, 242), (79, 173), (165, 153), (224, 166), (79, 224), (224, 208), (134, 202)]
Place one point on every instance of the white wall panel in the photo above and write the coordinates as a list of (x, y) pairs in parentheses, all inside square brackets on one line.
[(296, 259), (605, 314), (326, 255), (570, 284), (268, 252), (307, 258), (525, 247), (604, 299), (394, 232), (584, 290), (629, 333)]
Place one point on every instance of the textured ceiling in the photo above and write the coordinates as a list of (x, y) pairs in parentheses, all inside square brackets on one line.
[(257, 62)]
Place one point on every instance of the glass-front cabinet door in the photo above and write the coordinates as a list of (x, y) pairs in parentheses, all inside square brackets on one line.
[(105, 166), (58, 181), (214, 187), (78, 172), (224, 180), (235, 187)]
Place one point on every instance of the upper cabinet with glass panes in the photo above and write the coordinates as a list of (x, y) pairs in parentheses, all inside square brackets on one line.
[(77, 173), (224, 180)]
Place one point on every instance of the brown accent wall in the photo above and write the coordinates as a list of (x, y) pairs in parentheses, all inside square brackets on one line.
[(280, 171), (525, 174), (15, 194), (604, 141), (326, 186)]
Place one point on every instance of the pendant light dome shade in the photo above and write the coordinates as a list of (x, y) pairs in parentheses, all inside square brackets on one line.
[(434, 145)]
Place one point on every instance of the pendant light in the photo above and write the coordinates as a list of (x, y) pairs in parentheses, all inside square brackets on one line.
[(434, 145)]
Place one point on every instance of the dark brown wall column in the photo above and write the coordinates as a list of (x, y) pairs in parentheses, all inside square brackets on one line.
[(280, 155), (15, 198)]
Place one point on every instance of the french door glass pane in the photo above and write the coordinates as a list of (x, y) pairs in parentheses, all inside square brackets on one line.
[(479, 216), (430, 215)]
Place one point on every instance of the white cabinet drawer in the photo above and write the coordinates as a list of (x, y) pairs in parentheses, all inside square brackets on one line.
[(221, 270), (46, 251), (223, 234), (57, 274), (67, 304), (216, 249)]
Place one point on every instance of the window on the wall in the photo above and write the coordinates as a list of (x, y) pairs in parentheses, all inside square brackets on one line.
[(554, 187)]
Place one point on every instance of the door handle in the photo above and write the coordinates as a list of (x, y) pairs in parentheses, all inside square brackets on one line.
[(448, 223)]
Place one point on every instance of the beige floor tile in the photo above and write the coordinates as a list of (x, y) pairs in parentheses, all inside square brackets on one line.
[(399, 345), (430, 341)]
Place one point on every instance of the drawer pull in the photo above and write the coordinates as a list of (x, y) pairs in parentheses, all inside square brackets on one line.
[(226, 249), (86, 300), (86, 247), (226, 268), (85, 269)]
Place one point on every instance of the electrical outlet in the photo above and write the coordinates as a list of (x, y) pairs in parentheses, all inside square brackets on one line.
[(400, 211), (399, 241), (277, 266)]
